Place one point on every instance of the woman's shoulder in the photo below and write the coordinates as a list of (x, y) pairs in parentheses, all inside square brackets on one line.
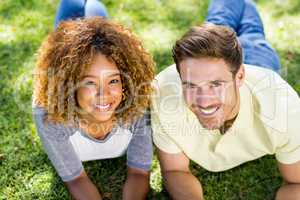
[(142, 123), (49, 129)]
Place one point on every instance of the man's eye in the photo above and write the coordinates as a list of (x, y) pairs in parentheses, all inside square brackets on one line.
[(216, 84), (191, 86), (114, 81), (188, 86)]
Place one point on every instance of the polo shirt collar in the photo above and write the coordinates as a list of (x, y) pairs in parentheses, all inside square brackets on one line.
[(244, 119)]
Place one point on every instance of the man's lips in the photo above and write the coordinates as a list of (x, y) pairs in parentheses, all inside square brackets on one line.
[(209, 111)]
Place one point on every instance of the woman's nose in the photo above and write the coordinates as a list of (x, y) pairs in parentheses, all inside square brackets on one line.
[(102, 91)]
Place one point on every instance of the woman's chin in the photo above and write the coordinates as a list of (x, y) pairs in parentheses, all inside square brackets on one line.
[(103, 117)]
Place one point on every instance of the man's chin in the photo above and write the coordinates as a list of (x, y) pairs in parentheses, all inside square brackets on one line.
[(210, 126)]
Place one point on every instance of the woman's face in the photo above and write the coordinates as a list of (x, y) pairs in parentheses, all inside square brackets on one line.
[(100, 90)]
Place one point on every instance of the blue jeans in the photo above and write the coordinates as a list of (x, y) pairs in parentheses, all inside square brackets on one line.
[(243, 17), (71, 9)]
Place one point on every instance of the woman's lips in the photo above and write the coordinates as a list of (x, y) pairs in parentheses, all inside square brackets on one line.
[(103, 107)]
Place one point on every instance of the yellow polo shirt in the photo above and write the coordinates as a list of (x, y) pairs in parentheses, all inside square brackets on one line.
[(268, 122)]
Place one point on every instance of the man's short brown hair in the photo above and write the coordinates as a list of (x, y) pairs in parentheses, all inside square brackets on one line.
[(209, 40)]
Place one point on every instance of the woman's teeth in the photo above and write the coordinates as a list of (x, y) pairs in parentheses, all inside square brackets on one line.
[(102, 106), (208, 111)]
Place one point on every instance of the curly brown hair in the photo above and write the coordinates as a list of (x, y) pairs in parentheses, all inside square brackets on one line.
[(67, 53)]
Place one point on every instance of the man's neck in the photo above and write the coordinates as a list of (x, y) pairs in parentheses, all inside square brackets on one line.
[(233, 115), (227, 124)]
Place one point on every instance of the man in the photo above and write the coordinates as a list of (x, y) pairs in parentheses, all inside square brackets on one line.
[(215, 110)]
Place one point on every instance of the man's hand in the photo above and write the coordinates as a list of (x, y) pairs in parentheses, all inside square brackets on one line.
[(291, 176), (179, 181)]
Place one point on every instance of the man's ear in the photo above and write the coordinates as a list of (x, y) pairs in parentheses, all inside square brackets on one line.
[(240, 76)]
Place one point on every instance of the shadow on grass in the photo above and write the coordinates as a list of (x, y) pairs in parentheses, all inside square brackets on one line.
[(108, 175), (253, 180)]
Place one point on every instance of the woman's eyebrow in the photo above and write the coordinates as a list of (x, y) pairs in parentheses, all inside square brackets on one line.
[(93, 76), (115, 74)]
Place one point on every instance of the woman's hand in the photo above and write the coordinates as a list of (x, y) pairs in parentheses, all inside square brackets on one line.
[(137, 184), (82, 188)]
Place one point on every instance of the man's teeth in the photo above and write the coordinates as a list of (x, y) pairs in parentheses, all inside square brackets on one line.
[(209, 111), (102, 106)]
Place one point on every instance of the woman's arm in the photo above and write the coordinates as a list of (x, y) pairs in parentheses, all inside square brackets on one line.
[(57, 145), (82, 188), (137, 184), (139, 159)]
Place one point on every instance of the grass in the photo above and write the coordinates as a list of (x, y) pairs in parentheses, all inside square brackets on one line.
[(25, 171)]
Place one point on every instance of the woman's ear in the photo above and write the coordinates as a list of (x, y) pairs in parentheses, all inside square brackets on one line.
[(240, 76)]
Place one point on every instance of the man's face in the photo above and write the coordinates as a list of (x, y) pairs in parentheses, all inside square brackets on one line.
[(210, 90)]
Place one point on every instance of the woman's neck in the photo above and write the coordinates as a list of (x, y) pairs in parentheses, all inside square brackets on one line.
[(97, 130)]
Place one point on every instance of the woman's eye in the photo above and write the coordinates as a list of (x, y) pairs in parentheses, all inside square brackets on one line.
[(114, 81), (90, 83)]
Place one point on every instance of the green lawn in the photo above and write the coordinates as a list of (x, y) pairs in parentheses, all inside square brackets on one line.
[(25, 171)]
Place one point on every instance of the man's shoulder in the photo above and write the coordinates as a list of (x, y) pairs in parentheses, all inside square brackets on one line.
[(262, 80), (256, 74), (168, 82), (273, 98), (167, 75), (167, 101)]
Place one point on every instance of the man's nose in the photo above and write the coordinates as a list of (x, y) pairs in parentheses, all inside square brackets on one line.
[(205, 98), (205, 101)]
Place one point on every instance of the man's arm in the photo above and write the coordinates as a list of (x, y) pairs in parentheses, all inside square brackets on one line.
[(179, 181), (291, 176), (137, 184), (82, 188)]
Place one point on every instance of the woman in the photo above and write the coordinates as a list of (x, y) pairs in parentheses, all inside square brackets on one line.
[(91, 94)]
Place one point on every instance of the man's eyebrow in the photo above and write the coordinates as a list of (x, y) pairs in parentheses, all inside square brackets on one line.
[(187, 83), (194, 84), (218, 80)]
